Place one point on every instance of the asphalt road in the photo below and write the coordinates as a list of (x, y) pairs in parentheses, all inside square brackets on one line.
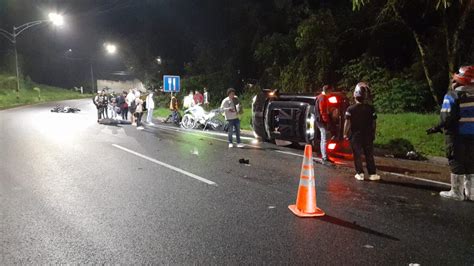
[(74, 191)]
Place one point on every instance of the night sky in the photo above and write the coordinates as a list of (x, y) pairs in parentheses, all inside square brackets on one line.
[(168, 28)]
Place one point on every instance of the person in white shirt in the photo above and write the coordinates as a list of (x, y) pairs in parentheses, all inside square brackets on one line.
[(206, 98), (129, 99), (232, 108), (188, 101), (150, 106)]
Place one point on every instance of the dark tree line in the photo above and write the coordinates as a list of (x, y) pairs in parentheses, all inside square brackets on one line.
[(406, 49)]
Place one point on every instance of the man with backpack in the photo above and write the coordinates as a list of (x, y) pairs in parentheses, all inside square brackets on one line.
[(323, 120)]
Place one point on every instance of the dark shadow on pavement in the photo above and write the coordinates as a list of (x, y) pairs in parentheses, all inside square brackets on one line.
[(354, 226), (412, 185)]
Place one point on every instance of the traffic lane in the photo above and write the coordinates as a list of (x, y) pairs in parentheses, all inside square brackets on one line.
[(365, 200), (70, 199), (246, 222)]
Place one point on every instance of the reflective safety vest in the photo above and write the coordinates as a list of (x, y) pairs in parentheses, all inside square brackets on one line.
[(466, 111)]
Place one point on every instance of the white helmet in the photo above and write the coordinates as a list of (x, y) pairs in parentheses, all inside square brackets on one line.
[(362, 91)]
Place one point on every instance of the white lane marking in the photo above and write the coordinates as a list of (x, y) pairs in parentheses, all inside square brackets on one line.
[(203, 134), (209, 182), (390, 173), (418, 178), (299, 155)]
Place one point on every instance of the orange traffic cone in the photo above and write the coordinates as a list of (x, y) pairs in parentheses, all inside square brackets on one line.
[(306, 199)]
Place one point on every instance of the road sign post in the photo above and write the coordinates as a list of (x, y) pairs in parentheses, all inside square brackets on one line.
[(171, 83)]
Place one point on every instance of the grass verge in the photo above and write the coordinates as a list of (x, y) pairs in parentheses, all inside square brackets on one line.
[(396, 133), (31, 93)]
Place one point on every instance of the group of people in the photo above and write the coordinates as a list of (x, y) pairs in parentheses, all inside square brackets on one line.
[(119, 107), (196, 98), (456, 121), (359, 128)]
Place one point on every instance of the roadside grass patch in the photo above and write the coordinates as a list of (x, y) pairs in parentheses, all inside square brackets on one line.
[(397, 131), (31, 93)]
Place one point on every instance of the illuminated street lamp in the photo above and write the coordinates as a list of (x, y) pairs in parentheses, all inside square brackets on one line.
[(54, 18), (110, 48)]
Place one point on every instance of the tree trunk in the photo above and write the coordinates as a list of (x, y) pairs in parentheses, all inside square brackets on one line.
[(453, 47), (422, 51)]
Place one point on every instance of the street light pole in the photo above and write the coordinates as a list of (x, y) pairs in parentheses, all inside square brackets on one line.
[(92, 78), (16, 67), (12, 37)]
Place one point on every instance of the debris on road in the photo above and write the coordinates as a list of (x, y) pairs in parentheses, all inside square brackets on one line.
[(244, 161)]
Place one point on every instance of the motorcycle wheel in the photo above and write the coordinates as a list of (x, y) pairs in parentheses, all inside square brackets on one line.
[(188, 122)]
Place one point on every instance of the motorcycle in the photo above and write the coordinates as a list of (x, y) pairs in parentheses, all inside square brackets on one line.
[(196, 117), (64, 109)]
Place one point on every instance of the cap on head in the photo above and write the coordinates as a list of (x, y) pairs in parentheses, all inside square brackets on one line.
[(465, 75)]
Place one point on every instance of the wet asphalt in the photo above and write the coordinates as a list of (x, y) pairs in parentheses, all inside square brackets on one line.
[(68, 194)]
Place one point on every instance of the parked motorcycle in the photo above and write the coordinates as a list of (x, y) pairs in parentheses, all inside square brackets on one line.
[(64, 109), (196, 117)]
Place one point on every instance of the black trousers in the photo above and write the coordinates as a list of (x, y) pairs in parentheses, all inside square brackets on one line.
[(362, 145), (124, 113), (460, 153), (139, 119), (100, 113)]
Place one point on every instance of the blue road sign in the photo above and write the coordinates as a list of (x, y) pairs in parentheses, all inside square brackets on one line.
[(171, 83)]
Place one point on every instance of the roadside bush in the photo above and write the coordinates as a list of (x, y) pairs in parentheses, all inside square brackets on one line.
[(392, 93)]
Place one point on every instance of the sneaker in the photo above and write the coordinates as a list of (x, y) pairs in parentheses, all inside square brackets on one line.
[(240, 145), (359, 177), (151, 124), (327, 161), (134, 124), (140, 128), (231, 145), (374, 177)]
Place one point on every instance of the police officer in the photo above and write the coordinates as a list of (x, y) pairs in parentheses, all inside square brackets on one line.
[(457, 120), (360, 122)]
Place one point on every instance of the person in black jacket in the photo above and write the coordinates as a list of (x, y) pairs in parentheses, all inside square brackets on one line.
[(361, 123)]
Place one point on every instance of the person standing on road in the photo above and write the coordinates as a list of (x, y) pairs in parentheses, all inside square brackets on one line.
[(206, 98), (121, 102), (232, 108), (131, 107), (457, 120), (138, 103), (323, 120), (106, 99), (361, 123), (100, 103), (150, 106)]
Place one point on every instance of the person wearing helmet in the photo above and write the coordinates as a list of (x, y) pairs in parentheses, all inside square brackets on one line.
[(323, 120), (359, 128), (457, 121)]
